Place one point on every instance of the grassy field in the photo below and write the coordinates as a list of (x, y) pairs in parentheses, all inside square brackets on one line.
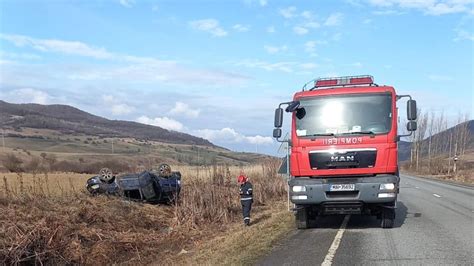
[(49, 218)]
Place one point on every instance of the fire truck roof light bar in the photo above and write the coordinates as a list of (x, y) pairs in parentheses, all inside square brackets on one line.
[(344, 81)]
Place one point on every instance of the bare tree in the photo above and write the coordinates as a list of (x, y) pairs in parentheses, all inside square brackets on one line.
[(417, 138), (430, 141)]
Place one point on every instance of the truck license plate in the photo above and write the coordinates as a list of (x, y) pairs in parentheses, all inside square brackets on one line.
[(342, 187)]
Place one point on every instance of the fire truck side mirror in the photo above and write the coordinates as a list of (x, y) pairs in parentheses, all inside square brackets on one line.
[(278, 117), (277, 133), (411, 110), (411, 126)]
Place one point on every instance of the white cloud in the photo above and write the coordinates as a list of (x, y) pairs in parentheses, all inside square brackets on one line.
[(336, 36), (387, 12), (310, 46), (29, 95), (308, 66), (143, 69), (300, 30), (262, 3), (127, 3), (286, 67), (275, 49), (229, 135), (440, 78), (181, 108), (334, 19), (24, 56), (271, 29), (429, 7), (367, 21), (116, 106), (312, 25), (288, 12), (163, 122), (463, 35), (121, 109), (209, 25), (307, 14), (357, 64), (52, 45), (241, 28), (260, 140)]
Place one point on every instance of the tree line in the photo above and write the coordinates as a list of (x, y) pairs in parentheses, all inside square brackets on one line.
[(437, 146)]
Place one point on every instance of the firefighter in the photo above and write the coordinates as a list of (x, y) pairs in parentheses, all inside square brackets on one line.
[(246, 198)]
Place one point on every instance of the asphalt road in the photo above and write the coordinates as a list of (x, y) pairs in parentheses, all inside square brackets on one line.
[(434, 226)]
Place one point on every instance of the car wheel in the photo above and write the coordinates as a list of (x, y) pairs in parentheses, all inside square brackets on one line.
[(106, 175)]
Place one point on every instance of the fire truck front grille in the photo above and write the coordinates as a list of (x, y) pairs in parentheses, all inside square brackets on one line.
[(343, 159)]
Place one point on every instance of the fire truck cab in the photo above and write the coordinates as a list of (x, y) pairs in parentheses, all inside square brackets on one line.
[(343, 148)]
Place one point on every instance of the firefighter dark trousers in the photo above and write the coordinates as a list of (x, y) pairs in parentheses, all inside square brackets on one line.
[(246, 207)]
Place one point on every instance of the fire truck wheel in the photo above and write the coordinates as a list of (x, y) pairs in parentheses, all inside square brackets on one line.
[(302, 219), (388, 218)]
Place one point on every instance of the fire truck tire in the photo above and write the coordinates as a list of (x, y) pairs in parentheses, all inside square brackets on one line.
[(302, 219), (388, 218)]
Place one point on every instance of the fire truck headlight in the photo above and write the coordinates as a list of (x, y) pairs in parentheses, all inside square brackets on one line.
[(299, 188), (387, 186)]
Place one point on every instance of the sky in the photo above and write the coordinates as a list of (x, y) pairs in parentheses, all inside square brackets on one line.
[(218, 69)]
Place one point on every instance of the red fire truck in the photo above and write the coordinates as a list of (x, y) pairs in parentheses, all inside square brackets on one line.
[(343, 147)]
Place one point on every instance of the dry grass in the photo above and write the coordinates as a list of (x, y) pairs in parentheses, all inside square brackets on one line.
[(49, 218), (244, 245), (442, 169), (45, 184)]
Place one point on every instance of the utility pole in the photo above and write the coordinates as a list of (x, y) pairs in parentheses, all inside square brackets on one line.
[(197, 162), (112, 146), (455, 159)]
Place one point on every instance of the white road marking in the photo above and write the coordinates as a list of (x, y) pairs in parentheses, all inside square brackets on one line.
[(417, 187), (436, 195), (335, 243)]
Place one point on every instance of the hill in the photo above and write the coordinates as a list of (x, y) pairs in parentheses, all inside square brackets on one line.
[(65, 138), (69, 120), (442, 138)]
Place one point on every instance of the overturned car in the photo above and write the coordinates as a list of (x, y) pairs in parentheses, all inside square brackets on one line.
[(161, 186)]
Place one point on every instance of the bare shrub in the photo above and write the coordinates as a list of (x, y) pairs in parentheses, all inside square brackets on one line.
[(34, 166), (12, 163), (216, 200)]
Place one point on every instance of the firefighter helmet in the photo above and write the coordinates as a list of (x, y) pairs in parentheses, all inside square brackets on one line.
[(242, 178)]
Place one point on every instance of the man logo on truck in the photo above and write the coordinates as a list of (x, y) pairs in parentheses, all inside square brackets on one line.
[(348, 158), (344, 148)]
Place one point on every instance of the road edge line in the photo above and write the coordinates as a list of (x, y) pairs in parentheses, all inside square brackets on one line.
[(335, 243)]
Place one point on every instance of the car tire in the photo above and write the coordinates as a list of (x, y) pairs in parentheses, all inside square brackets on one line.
[(106, 175)]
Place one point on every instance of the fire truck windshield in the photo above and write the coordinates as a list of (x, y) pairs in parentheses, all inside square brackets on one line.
[(347, 114)]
